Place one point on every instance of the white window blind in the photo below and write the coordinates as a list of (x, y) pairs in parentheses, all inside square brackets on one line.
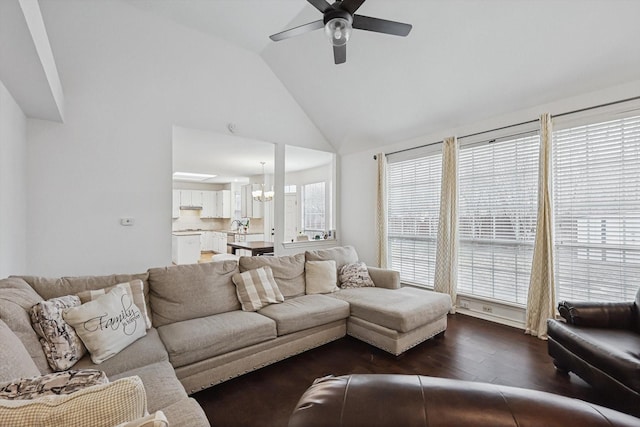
[(497, 217), (597, 210), (413, 208), (313, 207)]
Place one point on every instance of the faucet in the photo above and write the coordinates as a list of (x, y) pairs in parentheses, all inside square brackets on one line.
[(238, 224)]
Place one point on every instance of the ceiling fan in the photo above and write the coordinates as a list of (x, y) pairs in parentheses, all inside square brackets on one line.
[(338, 20)]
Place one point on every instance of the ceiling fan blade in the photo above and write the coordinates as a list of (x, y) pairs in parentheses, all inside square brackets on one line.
[(340, 54), (292, 32), (351, 5), (380, 25), (321, 5)]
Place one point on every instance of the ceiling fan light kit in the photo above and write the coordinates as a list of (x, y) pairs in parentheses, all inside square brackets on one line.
[(338, 20)]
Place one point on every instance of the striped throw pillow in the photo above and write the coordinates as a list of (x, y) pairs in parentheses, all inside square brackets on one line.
[(257, 288), (135, 289)]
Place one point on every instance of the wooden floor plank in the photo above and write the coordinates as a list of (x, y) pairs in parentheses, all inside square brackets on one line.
[(471, 349)]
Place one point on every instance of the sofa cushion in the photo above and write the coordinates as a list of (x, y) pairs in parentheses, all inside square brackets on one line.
[(288, 271), (146, 351), (186, 413), (65, 382), (614, 351), (14, 357), (61, 344), (304, 312), (107, 324), (160, 381), (399, 309), (257, 288), (340, 254), (194, 340), (184, 292), (103, 405), (50, 287), (320, 277), (134, 288), (16, 299)]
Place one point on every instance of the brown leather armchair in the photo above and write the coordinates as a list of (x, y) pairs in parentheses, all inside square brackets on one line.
[(374, 400), (600, 342)]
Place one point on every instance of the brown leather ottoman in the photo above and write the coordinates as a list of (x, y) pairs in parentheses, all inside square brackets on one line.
[(413, 400)]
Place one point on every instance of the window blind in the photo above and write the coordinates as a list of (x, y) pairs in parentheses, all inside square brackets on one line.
[(413, 208), (497, 217), (597, 210)]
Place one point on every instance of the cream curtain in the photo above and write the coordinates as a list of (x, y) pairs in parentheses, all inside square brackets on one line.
[(381, 211), (446, 272), (541, 301)]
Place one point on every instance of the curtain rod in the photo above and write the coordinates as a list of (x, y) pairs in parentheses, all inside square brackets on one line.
[(375, 157)]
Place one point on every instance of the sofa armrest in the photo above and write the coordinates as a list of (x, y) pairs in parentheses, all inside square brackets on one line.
[(384, 278), (618, 315)]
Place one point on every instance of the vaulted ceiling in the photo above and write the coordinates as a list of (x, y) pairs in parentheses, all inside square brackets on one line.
[(464, 61)]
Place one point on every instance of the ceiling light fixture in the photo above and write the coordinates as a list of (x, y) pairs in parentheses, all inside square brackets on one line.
[(337, 26), (189, 176), (261, 195)]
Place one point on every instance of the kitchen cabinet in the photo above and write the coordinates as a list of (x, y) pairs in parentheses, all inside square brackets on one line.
[(175, 204), (220, 243), (250, 208), (213, 241), (185, 249), (190, 198), (208, 204), (206, 241), (223, 204), (216, 204)]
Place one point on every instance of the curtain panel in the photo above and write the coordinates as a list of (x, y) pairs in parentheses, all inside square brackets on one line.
[(446, 269), (541, 299), (381, 212)]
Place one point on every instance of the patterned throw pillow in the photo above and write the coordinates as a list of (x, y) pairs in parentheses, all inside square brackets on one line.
[(65, 382), (107, 324), (61, 345), (257, 288), (135, 289), (104, 405), (355, 275), (157, 419)]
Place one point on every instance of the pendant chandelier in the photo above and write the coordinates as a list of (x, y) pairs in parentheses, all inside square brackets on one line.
[(261, 195)]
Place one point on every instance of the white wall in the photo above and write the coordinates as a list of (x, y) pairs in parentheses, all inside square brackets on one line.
[(358, 171), (128, 77), (13, 186)]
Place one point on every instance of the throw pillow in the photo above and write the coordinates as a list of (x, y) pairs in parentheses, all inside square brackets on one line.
[(134, 288), (103, 405), (320, 277), (257, 288), (65, 382), (61, 345), (355, 275), (107, 324)]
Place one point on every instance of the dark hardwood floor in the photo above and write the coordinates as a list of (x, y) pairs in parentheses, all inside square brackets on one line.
[(471, 349)]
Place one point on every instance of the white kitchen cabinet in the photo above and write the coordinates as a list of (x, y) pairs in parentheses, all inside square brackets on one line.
[(190, 198), (209, 204), (223, 204), (254, 238), (185, 249), (220, 243), (175, 204), (207, 241)]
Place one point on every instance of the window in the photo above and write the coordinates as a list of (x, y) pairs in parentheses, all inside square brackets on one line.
[(597, 210), (413, 210), (497, 217), (313, 209)]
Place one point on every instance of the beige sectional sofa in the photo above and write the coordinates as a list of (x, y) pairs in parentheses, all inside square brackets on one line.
[(201, 337)]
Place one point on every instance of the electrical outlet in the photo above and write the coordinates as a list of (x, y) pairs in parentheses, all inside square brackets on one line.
[(487, 309), (464, 304)]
